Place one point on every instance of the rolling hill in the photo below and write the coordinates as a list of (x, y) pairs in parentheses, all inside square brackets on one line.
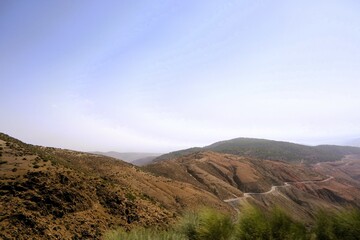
[(271, 150)]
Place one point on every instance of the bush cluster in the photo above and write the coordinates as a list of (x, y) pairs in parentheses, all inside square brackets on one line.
[(252, 224)]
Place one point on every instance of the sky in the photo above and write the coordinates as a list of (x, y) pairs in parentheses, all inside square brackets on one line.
[(158, 76)]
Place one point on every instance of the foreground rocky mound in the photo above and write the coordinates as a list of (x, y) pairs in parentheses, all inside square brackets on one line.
[(48, 193)]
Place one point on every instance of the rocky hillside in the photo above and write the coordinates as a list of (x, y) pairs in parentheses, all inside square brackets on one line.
[(48, 193), (227, 175), (301, 189)]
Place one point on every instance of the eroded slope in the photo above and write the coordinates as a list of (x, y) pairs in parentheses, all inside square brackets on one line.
[(300, 189)]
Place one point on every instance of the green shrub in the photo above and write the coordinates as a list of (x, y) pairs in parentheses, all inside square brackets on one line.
[(347, 225), (252, 225), (323, 226), (207, 224), (214, 225), (298, 231), (283, 227), (189, 225), (344, 225)]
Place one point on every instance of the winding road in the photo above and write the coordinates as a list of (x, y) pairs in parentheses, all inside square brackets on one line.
[(273, 189)]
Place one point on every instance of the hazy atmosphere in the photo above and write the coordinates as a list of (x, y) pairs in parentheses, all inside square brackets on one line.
[(158, 76)]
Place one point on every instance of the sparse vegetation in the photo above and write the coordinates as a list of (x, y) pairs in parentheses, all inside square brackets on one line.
[(131, 197), (36, 166), (144, 234), (148, 198)]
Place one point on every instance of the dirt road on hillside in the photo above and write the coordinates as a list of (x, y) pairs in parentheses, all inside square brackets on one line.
[(274, 188)]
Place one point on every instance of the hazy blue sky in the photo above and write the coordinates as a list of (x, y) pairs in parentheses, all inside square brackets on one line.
[(163, 75)]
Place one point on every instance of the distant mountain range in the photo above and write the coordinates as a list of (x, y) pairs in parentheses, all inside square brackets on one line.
[(136, 158), (250, 147), (271, 150)]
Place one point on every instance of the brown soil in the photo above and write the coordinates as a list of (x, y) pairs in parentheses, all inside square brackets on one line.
[(48, 193), (230, 176)]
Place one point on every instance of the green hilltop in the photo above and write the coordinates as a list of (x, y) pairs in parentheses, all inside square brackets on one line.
[(272, 150)]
